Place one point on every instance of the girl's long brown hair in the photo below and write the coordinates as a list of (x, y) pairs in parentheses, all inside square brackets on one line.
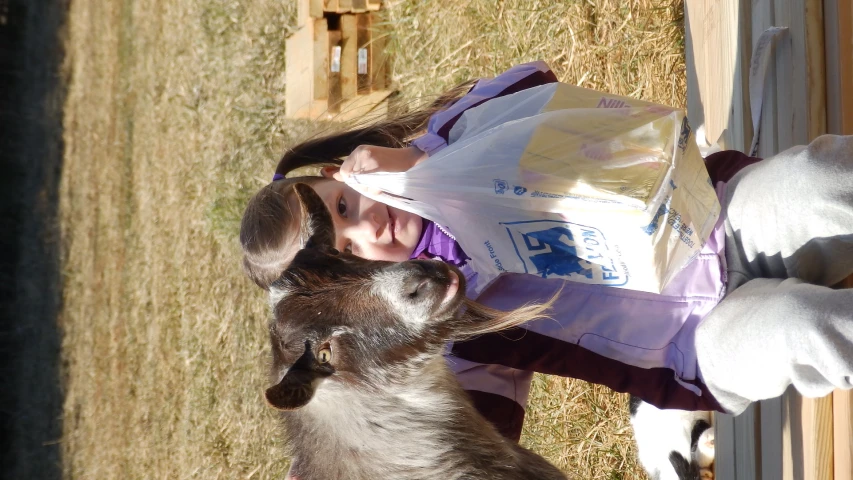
[(480, 319), (271, 225)]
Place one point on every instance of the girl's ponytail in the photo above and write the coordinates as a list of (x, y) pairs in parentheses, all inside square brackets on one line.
[(394, 132)]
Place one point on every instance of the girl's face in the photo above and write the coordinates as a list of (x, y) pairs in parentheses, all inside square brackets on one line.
[(366, 228)]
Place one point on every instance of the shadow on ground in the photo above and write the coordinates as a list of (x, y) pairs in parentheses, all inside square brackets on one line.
[(31, 99)]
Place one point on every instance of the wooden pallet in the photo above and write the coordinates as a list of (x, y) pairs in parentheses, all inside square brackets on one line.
[(336, 67), (808, 92), (318, 8)]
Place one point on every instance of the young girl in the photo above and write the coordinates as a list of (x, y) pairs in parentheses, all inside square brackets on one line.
[(751, 315)]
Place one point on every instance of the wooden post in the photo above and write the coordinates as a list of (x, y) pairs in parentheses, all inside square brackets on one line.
[(842, 419), (315, 8), (845, 67), (815, 67), (335, 71), (842, 432), (363, 27), (817, 438), (838, 35), (307, 10), (349, 56), (321, 60), (330, 6), (301, 98)]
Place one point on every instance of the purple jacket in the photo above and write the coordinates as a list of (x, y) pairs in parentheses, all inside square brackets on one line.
[(635, 342)]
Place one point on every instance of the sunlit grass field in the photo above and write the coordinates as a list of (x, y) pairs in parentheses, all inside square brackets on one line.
[(174, 117)]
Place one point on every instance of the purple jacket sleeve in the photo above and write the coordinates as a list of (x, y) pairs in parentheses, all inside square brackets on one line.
[(516, 79)]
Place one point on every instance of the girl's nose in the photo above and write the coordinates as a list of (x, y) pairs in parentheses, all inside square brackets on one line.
[(375, 226), (372, 220)]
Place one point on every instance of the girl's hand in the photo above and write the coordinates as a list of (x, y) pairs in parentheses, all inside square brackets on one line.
[(370, 158)]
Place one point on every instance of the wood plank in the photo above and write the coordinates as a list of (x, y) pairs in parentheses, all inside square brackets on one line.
[(762, 19), (738, 135), (792, 439), (771, 438), (693, 54), (747, 428), (719, 45), (801, 71), (299, 75), (321, 60), (741, 119), (344, 6), (724, 447), (335, 71), (379, 66), (842, 421), (845, 65), (838, 37), (842, 431), (817, 438), (846, 283), (302, 9), (364, 33), (330, 6), (349, 56), (815, 68), (784, 82), (833, 77), (799, 77), (316, 8)]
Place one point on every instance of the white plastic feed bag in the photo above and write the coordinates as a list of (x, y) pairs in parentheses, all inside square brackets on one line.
[(564, 182)]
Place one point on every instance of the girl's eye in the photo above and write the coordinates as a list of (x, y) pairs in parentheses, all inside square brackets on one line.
[(342, 207), (348, 248)]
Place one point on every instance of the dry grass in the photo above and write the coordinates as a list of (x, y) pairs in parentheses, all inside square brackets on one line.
[(174, 116)]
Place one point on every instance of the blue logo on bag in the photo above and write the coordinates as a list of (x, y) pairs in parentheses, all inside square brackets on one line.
[(653, 226), (558, 249), (501, 186), (519, 190)]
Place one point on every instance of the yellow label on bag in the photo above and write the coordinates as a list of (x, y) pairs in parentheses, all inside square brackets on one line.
[(619, 156)]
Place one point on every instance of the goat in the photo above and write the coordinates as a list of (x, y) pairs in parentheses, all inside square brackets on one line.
[(673, 444), (359, 372)]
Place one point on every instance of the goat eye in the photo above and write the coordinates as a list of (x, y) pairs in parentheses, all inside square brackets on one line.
[(325, 355)]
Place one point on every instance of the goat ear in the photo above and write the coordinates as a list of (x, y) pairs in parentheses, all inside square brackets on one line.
[(294, 391), (320, 230)]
